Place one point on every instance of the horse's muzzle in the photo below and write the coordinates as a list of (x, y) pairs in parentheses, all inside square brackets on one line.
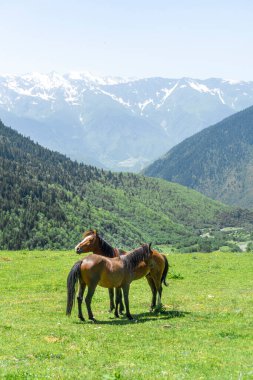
[(78, 250)]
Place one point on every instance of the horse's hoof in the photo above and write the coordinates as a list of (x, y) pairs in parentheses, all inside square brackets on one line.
[(81, 319), (93, 320), (116, 315), (129, 317)]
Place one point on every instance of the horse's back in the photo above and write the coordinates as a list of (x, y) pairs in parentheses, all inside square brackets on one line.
[(106, 272), (91, 260), (113, 274), (91, 267)]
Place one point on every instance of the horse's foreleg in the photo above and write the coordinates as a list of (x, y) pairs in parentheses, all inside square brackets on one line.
[(153, 290), (126, 299), (88, 298), (111, 297), (121, 305), (80, 300)]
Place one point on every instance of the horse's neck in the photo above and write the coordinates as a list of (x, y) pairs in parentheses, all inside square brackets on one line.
[(105, 249), (134, 258), (98, 251)]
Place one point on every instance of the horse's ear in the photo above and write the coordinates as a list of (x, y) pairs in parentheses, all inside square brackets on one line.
[(149, 246), (95, 232)]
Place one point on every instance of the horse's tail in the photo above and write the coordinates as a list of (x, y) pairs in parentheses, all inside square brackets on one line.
[(165, 271), (72, 279)]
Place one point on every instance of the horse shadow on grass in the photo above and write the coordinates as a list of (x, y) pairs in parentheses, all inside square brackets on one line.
[(142, 318)]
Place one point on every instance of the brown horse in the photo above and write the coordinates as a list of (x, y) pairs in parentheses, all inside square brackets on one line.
[(107, 272), (155, 272)]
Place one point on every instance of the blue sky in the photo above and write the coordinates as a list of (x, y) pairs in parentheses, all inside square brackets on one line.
[(133, 38)]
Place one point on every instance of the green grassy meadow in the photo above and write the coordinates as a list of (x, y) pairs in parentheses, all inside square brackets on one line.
[(205, 331)]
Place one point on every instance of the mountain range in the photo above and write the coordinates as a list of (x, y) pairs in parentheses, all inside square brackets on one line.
[(217, 161), (114, 123)]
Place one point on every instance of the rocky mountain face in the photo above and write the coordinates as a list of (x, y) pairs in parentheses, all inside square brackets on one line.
[(116, 123)]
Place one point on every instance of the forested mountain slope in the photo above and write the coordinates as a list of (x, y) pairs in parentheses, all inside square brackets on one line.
[(47, 200), (217, 161)]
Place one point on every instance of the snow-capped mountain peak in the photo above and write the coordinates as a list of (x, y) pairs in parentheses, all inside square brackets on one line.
[(110, 121)]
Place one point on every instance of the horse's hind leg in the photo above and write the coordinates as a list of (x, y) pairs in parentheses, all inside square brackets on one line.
[(158, 287), (88, 298), (153, 290), (111, 297), (82, 286), (112, 305), (160, 295), (119, 303)]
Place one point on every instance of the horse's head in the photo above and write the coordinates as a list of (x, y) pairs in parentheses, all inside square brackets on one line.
[(147, 248), (148, 253), (88, 244)]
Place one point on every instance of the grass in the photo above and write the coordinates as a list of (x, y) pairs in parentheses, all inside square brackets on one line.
[(204, 330)]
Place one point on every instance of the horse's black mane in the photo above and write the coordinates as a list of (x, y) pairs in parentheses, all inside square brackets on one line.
[(106, 248), (133, 258)]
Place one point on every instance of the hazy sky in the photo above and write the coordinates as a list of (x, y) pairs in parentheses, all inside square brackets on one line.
[(130, 38)]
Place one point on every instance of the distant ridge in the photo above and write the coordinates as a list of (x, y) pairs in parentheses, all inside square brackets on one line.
[(217, 161), (116, 123)]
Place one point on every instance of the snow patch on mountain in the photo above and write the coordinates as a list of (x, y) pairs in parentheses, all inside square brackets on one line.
[(199, 87), (117, 99), (40, 92), (168, 92), (220, 94), (46, 81), (143, 105), (203, 88)]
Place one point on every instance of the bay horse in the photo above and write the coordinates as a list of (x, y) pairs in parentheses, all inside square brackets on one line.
[(93, 270), (155, 271)]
